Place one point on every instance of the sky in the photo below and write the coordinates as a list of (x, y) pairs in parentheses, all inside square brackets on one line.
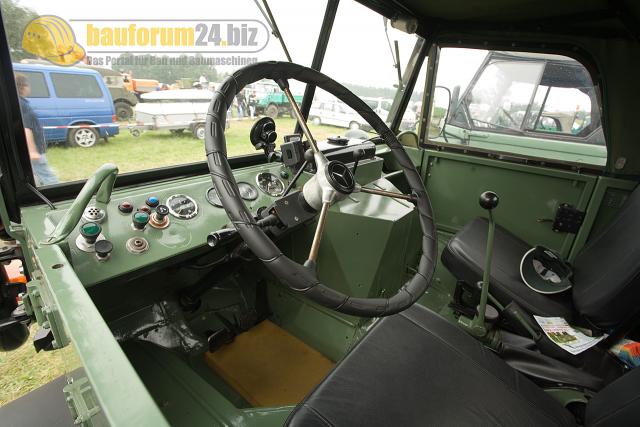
[(358, 51)]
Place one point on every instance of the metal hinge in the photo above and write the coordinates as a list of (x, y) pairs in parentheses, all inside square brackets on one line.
[(81, 401)]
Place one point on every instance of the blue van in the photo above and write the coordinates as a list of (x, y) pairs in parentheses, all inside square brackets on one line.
[(65, 98)]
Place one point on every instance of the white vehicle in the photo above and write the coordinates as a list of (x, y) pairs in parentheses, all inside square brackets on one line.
[(335, 113), (338, 114), (175, 110)]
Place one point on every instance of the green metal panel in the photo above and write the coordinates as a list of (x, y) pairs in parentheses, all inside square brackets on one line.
[(529, 195), (122, 397)]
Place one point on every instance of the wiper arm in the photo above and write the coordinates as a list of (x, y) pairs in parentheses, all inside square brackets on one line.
[(268, 16)]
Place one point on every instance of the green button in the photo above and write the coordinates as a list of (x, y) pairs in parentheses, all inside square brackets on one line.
[(141, 217), (91, 229)]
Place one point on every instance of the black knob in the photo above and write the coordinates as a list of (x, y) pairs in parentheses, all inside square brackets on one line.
[(90, 231), (161, 212), (221, 236), (103, 248), (488, 200), (308, 155), (140, 220)]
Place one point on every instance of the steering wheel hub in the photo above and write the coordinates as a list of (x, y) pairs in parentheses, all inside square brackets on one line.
[(340, 177)]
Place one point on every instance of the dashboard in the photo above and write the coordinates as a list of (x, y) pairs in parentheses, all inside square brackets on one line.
[(143, 226)]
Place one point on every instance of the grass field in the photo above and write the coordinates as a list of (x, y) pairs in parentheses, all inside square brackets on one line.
[(159, 148), (24, 370)]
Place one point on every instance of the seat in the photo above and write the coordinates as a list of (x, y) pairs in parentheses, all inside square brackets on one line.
[(606, 279), (417, 369)]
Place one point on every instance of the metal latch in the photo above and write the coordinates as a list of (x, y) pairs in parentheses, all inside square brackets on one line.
[(568, 219), (81, 401)]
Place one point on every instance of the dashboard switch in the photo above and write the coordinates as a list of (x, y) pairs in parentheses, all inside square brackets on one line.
[(90, 232), (160, 218), (140, 220), (103, 249), (152, 201), (125, 207)]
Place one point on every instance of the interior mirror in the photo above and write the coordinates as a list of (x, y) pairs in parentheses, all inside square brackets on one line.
[(439, 111)]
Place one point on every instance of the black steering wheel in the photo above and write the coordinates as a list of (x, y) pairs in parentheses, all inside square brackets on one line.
[(332, 182)]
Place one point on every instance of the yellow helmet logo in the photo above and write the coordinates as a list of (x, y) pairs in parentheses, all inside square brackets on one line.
[(52, 38)]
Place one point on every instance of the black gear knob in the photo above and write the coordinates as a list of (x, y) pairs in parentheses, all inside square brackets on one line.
[(489, 200)]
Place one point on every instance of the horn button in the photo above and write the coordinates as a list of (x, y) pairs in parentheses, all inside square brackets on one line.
[(340, 177)]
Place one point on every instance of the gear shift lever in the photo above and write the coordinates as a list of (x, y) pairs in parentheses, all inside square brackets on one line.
[(489, 201), (477, 326)]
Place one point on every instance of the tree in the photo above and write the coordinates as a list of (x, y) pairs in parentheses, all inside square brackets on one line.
[(15, 19)]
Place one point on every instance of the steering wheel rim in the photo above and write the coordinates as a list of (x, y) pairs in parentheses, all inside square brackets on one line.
[(299, 278)]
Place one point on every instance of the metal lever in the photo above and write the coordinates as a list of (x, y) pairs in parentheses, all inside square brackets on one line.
[(489, 201)]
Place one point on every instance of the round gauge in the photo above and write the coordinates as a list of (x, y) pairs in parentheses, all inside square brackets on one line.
[(213, 197), (182, 206), (270, 184), (247, 191)]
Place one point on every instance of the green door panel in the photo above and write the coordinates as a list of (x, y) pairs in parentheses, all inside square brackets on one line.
[(121, 396), (529, 195)]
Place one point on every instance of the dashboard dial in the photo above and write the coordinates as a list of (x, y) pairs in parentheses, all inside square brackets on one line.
[(270, 184), (213, 197), (182, 206), (247, 191)]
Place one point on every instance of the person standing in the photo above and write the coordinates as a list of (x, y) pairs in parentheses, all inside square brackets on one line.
[(253, 101), (35, 136), (241, 104)]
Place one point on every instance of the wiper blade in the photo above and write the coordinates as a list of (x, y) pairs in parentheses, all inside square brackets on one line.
[(268, 16)]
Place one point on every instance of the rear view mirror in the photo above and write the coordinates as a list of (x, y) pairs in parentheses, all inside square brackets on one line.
[(439, 111)]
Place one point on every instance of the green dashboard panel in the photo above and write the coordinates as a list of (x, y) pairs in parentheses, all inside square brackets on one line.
[(182, 236)]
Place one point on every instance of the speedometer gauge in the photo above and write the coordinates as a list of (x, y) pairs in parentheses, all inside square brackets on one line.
[(247, 191), (270, 184), (182, 206)]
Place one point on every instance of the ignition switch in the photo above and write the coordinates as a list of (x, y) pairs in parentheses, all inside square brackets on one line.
[(160, 218)]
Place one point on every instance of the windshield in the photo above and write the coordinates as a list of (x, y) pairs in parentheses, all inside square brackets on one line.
[(120, 82)]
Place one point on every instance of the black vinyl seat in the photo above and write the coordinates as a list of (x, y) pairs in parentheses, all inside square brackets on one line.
[(606, 279), (417, 369)]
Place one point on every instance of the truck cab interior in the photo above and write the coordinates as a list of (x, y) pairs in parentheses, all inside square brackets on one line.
[(368, 279)]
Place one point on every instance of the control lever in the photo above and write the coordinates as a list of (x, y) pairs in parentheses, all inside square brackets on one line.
[(489, 201), (225, 235), (308, 158), (477, 326), (357, 155)]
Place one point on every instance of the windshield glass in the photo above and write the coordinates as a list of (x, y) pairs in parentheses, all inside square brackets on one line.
[(121, 82), (362, 56)]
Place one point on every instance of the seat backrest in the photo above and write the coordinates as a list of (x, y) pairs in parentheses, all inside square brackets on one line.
[(617, 404), (606, 279)]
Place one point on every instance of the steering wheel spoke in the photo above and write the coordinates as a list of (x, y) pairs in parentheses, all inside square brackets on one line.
[(317, 236)]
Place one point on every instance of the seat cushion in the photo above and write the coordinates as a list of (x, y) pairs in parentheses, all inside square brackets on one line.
[(417, 369), (464, 256)]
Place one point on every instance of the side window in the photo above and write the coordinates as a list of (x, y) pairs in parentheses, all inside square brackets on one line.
[(37, 84), (535, 106), (501, 95), (75, 86)]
